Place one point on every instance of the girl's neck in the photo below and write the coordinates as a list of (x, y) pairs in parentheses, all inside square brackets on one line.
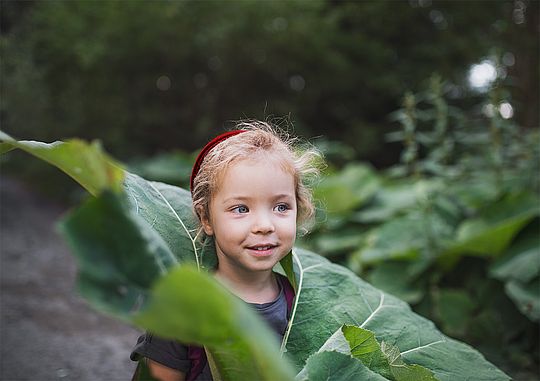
[(254, 287)]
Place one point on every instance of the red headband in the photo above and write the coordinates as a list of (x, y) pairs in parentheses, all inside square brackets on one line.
[(207, 148)]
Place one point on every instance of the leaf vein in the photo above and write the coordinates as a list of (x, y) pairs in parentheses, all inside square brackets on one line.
[(313, 267), (181, 223), (423, 346), (381, 302)]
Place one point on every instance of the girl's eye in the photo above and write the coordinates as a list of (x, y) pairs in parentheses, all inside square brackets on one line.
[(240, 209), (281, 208)]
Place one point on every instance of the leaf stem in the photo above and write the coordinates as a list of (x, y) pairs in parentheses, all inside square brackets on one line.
[(296, 299)]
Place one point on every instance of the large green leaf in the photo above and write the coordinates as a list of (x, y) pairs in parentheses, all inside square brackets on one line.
[(167, 210), (242, 347), (119, 257), (330, 295)]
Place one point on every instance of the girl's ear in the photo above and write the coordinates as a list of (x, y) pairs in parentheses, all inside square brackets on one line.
[(205, 221)]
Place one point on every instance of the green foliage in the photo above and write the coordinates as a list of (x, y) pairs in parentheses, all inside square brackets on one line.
[(493, 228), (171, 168), (519, 268), (149, 77), (73, 67), (467, 187), (133, 266), (341, 192)]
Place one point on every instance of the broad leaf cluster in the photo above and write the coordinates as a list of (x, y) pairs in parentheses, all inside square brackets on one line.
[(139, 259), (453, 229)]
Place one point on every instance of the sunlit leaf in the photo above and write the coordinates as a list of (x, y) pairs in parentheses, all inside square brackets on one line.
[(86, 163), (365, 348)]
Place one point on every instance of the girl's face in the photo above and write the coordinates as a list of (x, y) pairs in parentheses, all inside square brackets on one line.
[(252, 217)]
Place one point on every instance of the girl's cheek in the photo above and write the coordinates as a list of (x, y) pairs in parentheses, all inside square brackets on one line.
[(292, 229)]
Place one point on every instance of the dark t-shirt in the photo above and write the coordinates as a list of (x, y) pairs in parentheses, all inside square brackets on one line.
[(174, 354)]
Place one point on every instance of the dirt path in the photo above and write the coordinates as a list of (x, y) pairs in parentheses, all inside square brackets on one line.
[(48, 332)]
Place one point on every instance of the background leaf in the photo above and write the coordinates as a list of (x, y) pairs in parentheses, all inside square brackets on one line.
[(521, 262), (526, 296), (347, 189), (493, 230)]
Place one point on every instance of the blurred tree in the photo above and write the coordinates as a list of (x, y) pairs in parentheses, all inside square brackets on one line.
[(151, 76), (525, 73)]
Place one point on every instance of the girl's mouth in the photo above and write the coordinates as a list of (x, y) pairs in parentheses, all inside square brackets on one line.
[(262, 250)]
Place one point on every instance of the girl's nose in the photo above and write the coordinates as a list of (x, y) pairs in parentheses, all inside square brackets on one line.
[(262, 224)]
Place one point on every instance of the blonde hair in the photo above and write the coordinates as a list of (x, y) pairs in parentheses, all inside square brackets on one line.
[(259, 139)]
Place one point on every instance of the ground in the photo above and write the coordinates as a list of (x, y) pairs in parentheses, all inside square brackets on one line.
[(48, 332)]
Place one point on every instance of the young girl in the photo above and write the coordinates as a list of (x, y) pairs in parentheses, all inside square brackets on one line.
[(249, 193)]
